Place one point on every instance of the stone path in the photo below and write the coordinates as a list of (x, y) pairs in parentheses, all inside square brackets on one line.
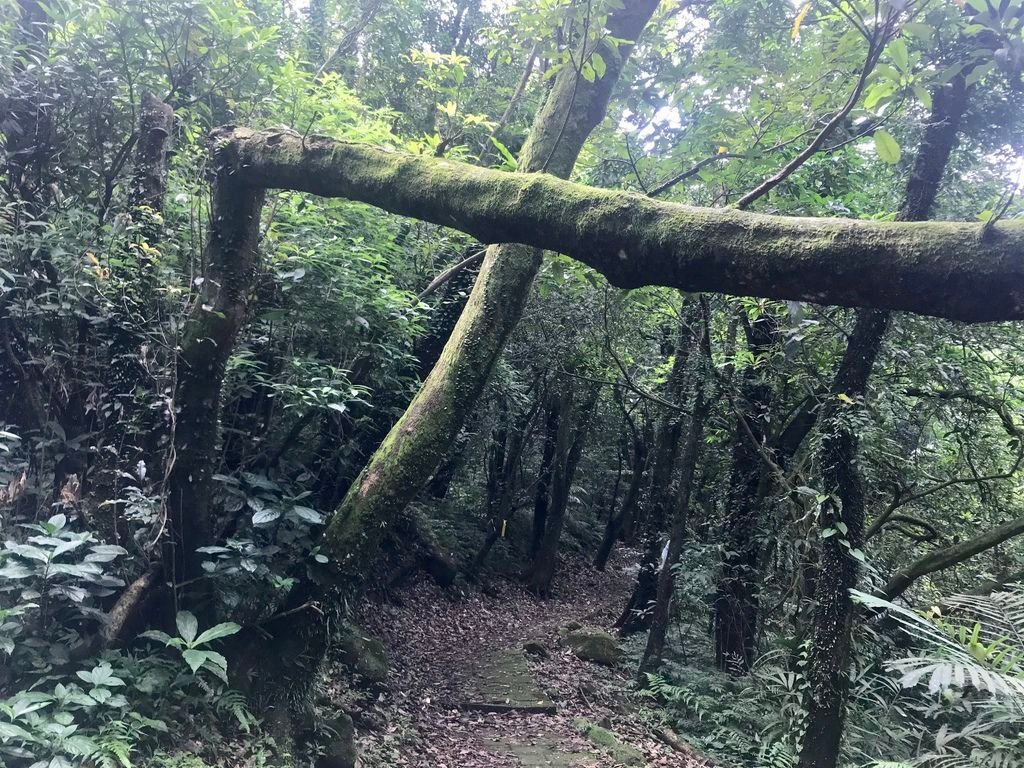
[(502, 683), (545, 750)]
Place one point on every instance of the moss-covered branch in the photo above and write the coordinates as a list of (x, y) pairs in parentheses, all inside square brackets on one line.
[(933, 268), (947, 557)]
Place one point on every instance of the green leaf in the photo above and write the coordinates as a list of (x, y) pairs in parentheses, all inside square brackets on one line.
[(264, 515), (217, 632), (877, 92), (923, 95), (308, 515), (886, 147), (156, 634), (216, 659), (10, 731), (509, 158), (81, 746), (195, 659), (900, 56), (919, 30), (188, 625)]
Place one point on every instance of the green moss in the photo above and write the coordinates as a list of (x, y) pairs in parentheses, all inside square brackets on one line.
[(608, 741)]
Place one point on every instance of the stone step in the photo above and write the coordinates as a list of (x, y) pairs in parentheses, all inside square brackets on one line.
[(503, 683)]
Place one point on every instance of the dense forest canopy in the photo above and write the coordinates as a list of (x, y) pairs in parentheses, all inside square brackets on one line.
[(537, 382)]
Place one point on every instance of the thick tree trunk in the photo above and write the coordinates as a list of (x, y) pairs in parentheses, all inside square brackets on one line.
[(700, 406), (408, 456), (837, 569), (207, 340), (947, 269)]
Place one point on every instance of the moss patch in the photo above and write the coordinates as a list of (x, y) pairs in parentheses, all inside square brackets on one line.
[(608, 741)]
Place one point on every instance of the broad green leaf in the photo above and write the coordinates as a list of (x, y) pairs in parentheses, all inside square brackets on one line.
[(308, 515), (216, 632), (188, 625), (887, 148), (156, 634), (10, 731), (195, 659), (900, 56)]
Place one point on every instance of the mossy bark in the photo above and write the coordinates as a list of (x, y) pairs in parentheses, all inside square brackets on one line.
[(736, 604), (837, 569), (207, 340), (949, 556), (700, 405), (946, 269), (410, 453)]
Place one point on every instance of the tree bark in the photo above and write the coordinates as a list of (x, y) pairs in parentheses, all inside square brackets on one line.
[(415, 445), (946, 269), (542, 497), (700, 406), (837, 569), (636, 615), (617, 522), (737, 598), (207, 340), (947, 557), (573, 426), (503, 461)]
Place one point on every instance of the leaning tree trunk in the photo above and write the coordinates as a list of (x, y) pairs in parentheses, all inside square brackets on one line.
[(837, 569), (410, 453), (208, 338), (700, 406)]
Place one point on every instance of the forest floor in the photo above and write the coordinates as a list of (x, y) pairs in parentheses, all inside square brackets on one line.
[(444, 647)]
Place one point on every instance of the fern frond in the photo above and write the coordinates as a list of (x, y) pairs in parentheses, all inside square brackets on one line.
[(982, 648)]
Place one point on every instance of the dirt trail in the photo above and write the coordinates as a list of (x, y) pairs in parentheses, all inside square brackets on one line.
[(442, 649)]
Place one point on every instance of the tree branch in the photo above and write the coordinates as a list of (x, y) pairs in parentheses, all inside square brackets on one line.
[(932, 268), (947, 557)]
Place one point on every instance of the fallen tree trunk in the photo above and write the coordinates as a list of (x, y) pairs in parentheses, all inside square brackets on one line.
[(945, 269)]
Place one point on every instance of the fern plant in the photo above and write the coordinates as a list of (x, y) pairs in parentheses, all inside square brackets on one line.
[(973, 641), (970, 658)]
